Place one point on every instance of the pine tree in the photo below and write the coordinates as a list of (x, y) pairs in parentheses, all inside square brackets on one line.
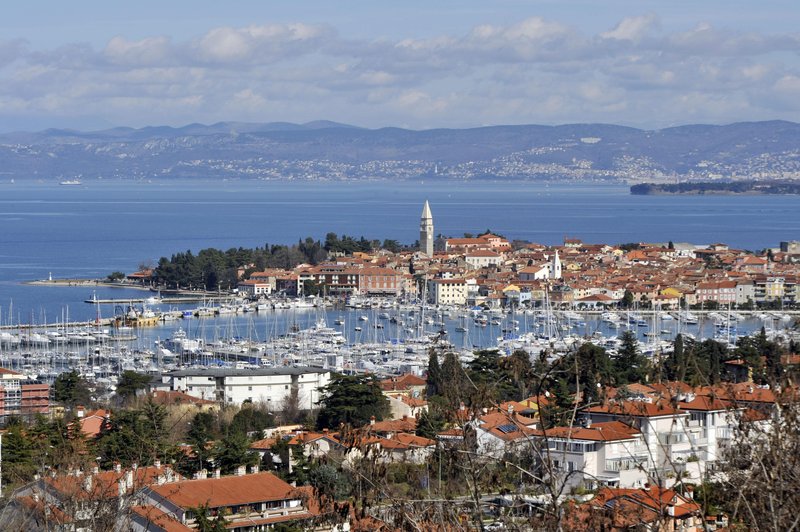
[(434, 376), (630, 365)]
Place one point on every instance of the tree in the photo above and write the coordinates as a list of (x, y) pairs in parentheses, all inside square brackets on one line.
[(676, 364), (329, 482), (630, 365), (455, 384), (434, 374), (134, 436), (70, 389), (627, 299), (251, 418), (115, 276), (205, 522), (352, 400), (234, 451), (391, 245), (430, 423), (131, 382), (18, 451)]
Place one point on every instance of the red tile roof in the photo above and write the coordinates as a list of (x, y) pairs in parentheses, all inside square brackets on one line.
[(607, 431), (225, 491)]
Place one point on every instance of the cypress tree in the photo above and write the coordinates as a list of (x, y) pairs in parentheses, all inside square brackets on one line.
[(434, 376)]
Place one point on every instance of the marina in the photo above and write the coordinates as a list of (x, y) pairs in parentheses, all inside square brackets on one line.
[(383, 336)]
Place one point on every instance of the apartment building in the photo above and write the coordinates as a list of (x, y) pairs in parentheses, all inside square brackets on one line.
[(611, 453), (20, 396), (235, 386)]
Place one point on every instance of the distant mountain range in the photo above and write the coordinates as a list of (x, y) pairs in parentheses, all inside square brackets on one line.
[(329, 150)]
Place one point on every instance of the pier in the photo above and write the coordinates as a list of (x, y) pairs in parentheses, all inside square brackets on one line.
[(176, 300)]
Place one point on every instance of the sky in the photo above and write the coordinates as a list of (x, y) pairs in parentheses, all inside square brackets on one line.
[(416, 64)]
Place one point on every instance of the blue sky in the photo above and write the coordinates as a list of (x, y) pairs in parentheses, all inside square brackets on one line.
[(442, 63)]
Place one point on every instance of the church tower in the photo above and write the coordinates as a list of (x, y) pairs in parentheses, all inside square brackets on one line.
[(426, 231), (555, 267)]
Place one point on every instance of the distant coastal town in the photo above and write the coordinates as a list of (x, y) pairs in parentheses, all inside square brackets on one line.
[(618, 370)]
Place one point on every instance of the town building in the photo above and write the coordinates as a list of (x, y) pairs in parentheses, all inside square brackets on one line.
[(248, 502), (262, 385), (21, 396)]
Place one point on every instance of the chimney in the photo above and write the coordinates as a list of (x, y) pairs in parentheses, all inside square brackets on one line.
[(217, 472), (510, 409), (95, 469), (689, 492), (241, 471), (117, 467), (129, 478), (324, 431), (405, 417), (255, 469), (646, 486), (87, 483), (80, 411), (199, 475), (372, 420), (157, 463)]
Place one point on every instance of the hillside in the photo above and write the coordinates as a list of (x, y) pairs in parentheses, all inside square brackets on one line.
[(328, 150)]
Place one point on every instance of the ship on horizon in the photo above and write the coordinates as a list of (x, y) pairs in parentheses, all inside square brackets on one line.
[(72, 182)]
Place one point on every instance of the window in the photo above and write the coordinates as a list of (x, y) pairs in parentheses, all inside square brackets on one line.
[(249, 388)]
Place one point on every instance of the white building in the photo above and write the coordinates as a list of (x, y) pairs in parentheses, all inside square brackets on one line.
[(481, 258), (448, 291), (609, 454), (234, 386)]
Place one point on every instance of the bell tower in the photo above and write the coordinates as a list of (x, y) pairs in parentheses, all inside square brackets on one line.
[(426, 231)]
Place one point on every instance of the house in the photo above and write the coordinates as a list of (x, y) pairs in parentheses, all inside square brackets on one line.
[(248, 503), (404, 406), (81, 500), (92, 421), (407, 384), (647, 508), (314, 444), (405, 447), (501, 431), (663, 428), (611, 453)]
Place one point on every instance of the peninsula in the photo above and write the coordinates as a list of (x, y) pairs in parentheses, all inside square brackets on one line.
[(715, 187)]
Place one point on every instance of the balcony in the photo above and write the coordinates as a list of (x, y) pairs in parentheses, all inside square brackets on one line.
[(670, 438), (625, 464), (724, 433)]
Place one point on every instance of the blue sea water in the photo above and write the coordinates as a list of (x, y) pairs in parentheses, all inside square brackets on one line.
[(102, 226)]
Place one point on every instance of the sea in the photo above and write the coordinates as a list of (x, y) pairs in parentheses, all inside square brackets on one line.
[(93, 229)]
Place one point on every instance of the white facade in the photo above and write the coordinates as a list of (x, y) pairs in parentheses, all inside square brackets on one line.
[(592, 463), (745, 292), (555, 267), (479, 260), (448, 291), (234, 386)]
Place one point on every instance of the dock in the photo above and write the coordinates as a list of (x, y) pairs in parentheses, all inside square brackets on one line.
[(176, 300)]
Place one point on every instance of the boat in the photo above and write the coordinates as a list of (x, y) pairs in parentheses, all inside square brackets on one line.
[(71, 182)]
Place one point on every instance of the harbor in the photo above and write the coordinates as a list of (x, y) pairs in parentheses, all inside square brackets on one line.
[(384, 336)]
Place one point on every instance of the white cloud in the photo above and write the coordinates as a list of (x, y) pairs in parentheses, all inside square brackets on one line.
[(632, 28), (531, 70)]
